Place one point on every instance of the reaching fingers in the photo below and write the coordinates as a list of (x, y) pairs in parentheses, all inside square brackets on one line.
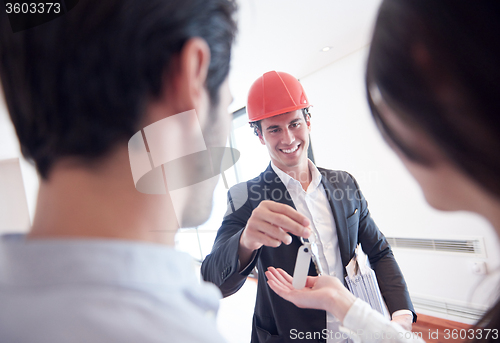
[(285, 223), (280, 278), (264, 235), (311, 281), (276, 285), (297, 297), (270, 276), (279, 275), (285, 275), (287, 217), (279, 289), (275, 232)]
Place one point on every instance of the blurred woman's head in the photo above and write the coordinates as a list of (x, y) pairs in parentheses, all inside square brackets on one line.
[(433, 83)]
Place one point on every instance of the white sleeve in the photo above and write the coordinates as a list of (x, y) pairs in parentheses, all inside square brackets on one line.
[(366, 325), (402, 312)]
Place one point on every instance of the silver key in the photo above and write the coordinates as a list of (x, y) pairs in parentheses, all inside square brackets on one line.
[(315, 258), (314, 254)]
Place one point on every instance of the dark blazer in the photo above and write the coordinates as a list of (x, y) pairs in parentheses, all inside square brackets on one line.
[(274, 317)]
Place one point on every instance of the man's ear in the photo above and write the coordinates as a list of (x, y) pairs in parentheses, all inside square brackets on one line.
[(308, 123), (187, 87), (262, 141)]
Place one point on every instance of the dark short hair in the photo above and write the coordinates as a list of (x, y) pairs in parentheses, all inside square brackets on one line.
[(78, 85), (257, 127)]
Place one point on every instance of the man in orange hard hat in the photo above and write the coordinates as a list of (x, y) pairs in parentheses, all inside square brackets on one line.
[(293, 198)]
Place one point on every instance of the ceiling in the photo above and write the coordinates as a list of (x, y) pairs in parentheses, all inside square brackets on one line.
[(284, 35), (289, 35)]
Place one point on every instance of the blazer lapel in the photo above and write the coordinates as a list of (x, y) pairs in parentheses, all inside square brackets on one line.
[(340, 220), (275, 189)]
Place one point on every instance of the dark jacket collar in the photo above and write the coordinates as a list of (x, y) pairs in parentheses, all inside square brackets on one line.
[(274, 188)]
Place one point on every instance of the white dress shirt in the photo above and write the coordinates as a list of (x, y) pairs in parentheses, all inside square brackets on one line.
[(314, 204), (366, 325)]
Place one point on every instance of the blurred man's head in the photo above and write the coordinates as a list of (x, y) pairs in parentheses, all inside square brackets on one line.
[(79, 87)]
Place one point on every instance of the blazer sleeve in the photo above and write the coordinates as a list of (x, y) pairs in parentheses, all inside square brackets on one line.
[(222, 264), (389, 276)]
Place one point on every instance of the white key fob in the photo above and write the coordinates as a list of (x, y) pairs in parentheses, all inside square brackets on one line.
[(301, 267)]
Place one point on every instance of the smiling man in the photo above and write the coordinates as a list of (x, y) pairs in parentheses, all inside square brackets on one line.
[(293, 198)]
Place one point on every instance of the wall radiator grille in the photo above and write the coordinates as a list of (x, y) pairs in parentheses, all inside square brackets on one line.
[(456, 310), (473, 246)]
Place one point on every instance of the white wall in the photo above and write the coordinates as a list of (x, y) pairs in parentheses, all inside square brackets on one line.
[(9, 149), (14, 215), (344, 137)]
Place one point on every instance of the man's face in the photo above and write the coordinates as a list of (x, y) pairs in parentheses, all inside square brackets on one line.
[(286, 137), (215, 132), (217, 128)]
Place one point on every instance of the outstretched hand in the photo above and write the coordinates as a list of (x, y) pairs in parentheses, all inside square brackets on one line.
[(321, 292), (271, 224)]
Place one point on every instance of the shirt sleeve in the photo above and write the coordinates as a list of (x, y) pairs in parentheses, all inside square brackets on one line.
[(366, 325), (401, 313), (250, 265)]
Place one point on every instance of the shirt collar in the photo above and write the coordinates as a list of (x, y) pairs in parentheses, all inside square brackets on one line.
[(93, 260), (288, 180), (146, 267)]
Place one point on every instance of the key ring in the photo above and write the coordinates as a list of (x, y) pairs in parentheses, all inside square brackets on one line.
[(306, 240)]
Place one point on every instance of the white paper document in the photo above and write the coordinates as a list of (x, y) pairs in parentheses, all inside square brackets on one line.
[(362, 282)]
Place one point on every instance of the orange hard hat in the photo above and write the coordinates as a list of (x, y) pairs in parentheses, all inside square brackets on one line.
[(275, 93)]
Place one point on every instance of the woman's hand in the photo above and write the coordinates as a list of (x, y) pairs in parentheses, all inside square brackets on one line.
[(321, 292)]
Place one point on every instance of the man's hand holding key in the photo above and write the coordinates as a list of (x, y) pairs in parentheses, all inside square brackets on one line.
[(270, 225)]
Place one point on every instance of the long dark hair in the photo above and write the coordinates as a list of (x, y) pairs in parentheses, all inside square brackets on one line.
[(436, 64)]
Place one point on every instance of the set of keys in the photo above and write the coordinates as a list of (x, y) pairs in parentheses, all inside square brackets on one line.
[(307, 251)]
